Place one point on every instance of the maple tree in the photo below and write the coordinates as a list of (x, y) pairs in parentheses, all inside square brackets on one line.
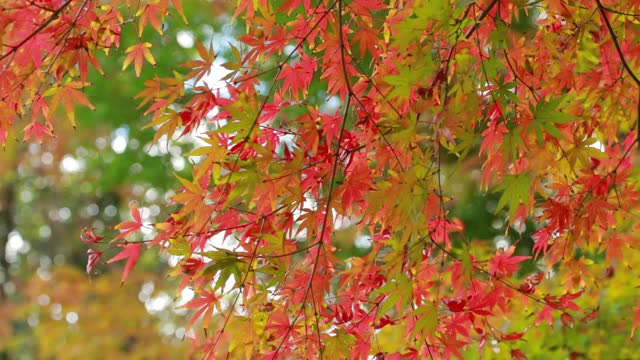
[(320, 214)]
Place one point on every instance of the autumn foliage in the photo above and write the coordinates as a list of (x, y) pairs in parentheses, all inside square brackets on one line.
[(347, 124)]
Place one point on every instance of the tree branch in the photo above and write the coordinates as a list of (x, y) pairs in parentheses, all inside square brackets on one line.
[(479, 19), (625, 65), (35, 32)]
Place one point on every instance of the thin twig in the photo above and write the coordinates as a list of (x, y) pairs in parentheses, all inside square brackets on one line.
[(35, 32), (479, 20), (626, 66)]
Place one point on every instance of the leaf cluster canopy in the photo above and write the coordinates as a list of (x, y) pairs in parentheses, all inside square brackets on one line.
[(321, 204)]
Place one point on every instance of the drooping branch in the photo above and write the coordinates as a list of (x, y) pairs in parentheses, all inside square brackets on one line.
[(623, 60), (35, 32), (614, 11), (483, 15)]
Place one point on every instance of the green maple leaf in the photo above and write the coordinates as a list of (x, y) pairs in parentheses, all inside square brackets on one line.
[(546, 115), (516, 192)]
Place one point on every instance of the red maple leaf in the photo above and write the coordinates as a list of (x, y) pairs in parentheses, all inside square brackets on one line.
[(93, 256), (542, 238), (512, 336), (591, 315), (545, 315), (37, 130), (129, 227), (280, 324), (493, 136), (297, 78), (205, 305), (504, 264), (88, 237), (131, 252)]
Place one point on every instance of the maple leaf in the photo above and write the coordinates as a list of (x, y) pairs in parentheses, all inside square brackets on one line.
[(542, 238), (3, 136), (583, 153), (129, 227), (200, 68), (547, 116), (452, 345), (131, 252), (164, 90), (78, 48), (495, 112), (138, 53), (93, 257), (297, 78), (456, 305), (224, 265), (591, 315), (367, 39), (517, 354), (545, 315), (440, 229), (427, 320), (402, 83), (177, 4), (153, 13), (191, 266), (615, 247), (512, 336), (516, 191), (68, 95), (565, 301), (193, 199), (279, 324), (87, 236), (567, 320), (504, 264), (206, 302), (493, 135), (37, 130), (535, 278)]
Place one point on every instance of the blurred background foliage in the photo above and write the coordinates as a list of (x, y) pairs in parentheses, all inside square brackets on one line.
[(49, 309)]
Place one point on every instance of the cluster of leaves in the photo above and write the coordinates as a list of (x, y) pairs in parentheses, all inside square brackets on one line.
[(47, 48), (530, 89)]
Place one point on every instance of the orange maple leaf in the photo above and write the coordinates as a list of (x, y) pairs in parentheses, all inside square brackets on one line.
[(137, 53)]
